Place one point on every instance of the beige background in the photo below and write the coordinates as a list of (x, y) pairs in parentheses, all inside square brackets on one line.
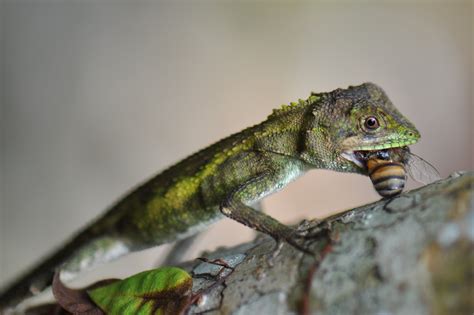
[(98, 96)]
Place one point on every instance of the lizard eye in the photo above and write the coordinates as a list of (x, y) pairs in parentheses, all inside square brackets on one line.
[(371, 123)]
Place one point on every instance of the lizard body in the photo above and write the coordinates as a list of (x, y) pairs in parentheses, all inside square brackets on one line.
[(228, 177)]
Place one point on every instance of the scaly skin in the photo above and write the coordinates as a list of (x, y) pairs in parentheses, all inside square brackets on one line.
[(231, 175)]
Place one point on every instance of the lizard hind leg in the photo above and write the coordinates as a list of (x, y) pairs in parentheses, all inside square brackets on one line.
[(97, 252), (180, 248)]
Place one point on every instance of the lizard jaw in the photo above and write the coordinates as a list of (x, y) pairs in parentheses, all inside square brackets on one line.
[(357, 150), (351, 156), (360, 144), (360, 157)]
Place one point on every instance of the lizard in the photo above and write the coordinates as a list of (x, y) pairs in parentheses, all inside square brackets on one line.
[(227, 178)]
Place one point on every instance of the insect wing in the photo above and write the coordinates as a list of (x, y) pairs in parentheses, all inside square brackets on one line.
[(420, 170)]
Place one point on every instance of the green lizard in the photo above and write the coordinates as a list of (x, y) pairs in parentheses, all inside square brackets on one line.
[(227, 178)]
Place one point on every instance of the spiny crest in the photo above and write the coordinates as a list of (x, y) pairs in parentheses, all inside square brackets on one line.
[(285, 108)]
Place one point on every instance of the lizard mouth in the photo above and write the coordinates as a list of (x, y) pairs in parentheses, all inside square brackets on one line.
[(359, 151), (360, 157)]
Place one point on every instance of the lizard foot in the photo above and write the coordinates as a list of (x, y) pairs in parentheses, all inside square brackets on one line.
[(312, 229), (302, 236), (294, 238)]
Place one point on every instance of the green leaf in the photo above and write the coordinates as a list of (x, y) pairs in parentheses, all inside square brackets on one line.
[(159, 291)]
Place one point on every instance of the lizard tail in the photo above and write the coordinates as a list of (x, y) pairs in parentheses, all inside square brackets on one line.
[(72, 257)]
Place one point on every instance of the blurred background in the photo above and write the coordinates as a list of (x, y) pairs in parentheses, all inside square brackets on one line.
[(98, 96)]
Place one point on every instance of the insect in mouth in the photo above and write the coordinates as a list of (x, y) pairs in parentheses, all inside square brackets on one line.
[(388, 170), (388, 177)]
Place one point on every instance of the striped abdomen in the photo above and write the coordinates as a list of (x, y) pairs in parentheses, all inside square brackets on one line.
[(388, 177)]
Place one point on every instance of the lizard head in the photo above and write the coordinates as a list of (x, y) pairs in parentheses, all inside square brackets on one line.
[(361, 119)]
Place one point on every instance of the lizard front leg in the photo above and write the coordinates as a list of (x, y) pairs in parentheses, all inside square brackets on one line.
[(236, 206)]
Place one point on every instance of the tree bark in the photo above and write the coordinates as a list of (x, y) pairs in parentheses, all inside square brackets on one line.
[(412, 254)]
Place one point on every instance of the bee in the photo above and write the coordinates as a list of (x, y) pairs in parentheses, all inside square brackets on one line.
[(388, 170), (388, 177)]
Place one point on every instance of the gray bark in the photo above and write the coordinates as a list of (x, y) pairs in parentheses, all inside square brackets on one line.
[(413, 254)]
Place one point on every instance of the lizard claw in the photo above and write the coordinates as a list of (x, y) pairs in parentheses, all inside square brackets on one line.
[(306, 230), (303, 248), (275, 252), (299, 237), (295, 239), (311, 229)]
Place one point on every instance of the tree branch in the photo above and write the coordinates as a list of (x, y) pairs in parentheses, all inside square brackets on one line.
[(413, 254)]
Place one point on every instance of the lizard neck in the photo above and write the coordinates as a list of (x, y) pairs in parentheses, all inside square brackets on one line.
[(305, 131), (291, 132)]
